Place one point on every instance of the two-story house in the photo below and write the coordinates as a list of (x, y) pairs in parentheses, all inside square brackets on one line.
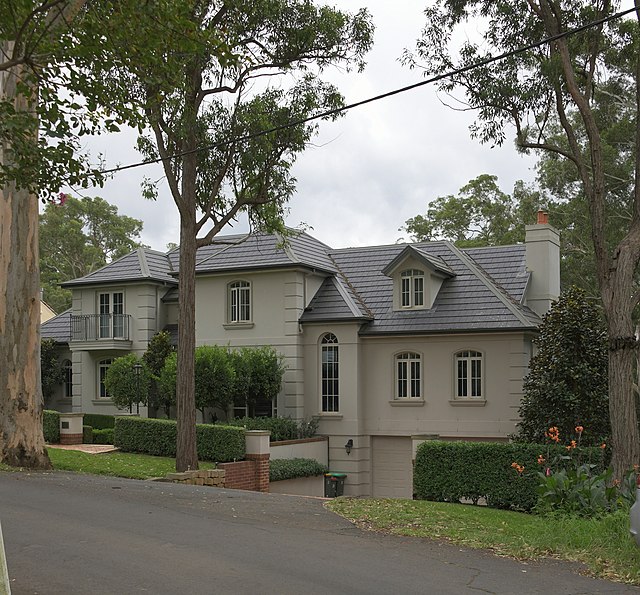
[(387, 345)]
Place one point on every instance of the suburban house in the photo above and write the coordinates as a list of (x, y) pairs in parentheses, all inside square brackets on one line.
[(387, 345)]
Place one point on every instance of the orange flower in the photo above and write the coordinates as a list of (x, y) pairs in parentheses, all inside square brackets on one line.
[(540, 459), (572, 445), (553, 434), (518, 468), (603, 445), (579, 429)]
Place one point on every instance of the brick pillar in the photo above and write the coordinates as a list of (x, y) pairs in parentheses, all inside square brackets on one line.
[(259, 451)]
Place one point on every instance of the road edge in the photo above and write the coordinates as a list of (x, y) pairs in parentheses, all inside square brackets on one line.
[(5, 589)]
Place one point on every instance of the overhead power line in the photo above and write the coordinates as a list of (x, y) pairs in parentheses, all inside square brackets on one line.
[(427, 81)]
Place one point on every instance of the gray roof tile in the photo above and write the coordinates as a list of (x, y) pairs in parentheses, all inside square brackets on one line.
[(57, 328)]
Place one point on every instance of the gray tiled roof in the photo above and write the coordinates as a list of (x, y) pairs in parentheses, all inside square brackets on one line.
[(469, 301), (335, 301), (57, 328), (139, 265)]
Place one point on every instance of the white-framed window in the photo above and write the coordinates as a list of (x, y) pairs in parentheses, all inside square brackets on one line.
[(103, 366), (111, 310), (411, 288), (239, 301), (330, 374), (468, 374), (408, 375), (67, 383)]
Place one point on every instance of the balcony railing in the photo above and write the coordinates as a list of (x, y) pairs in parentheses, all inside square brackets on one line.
[(94, 327)]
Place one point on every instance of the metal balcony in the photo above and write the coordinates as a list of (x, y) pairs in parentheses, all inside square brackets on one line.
[(98, 327)]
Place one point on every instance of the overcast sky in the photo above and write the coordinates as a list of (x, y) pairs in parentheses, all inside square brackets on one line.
[(366, 173)]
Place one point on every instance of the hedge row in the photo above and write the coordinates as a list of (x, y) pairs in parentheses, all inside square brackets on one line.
[(51, 426), (281, 469), (103, 436), (450, 471), (158, 437), (98, 421), (281, 428)]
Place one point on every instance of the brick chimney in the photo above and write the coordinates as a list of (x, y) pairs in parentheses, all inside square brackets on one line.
[(542, 243)]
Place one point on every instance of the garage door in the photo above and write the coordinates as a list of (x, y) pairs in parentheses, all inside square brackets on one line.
[(391, 467)]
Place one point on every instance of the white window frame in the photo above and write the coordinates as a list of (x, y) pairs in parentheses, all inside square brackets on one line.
[(408, 376), (67, 383), (329, 374), (111, 314), (103, 366), (469, 374), (239, 309), (412, 289)]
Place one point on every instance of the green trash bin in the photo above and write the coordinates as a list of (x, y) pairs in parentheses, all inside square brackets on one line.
[(334, 484)]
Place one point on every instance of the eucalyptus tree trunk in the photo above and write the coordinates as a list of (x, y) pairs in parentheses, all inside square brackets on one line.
[(21, 437)]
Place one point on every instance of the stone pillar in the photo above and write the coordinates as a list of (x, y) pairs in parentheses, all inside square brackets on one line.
[(71, 428), (258, 450)]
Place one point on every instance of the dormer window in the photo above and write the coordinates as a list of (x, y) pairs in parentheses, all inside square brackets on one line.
[(412, 288)]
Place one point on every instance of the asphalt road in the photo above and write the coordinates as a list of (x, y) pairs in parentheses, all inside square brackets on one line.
[(71, 534)]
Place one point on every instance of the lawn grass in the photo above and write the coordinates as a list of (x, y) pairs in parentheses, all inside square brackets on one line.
[(118, 464), (603, 545)]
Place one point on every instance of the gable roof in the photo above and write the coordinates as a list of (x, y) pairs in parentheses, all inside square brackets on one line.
[(57, 328), (435, 263), (140, 265)]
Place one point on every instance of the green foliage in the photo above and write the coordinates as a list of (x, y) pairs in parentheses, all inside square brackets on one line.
[(103, 436), (99, 421), (87, 435), (154, 357), (166, 383), (567, 384), (281, 428), (158, 437), (215, 377), (51, 426), (78, 236), (281, 469), (307, 427), (450, 471), (258, 374), (123, 385), (481, 215), (51, 371)]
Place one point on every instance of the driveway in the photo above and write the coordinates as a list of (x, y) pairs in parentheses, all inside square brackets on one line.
[(73, 534)]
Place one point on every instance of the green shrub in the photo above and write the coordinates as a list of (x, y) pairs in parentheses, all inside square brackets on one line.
[(449, 471), (158, 437), (87, 435), (98, 421), (103, 436), (51, 426), (281, 428), (280, 469)]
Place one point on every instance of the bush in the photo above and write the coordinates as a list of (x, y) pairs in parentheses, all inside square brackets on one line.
[(281, 469), (87, 435), (51, 426), (449, 471), (98, 421), (158, 437), (103, 436), (281, 428)]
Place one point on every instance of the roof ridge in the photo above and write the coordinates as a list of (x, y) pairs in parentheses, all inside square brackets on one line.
[(352, 288), (142, 261), (490, 283)]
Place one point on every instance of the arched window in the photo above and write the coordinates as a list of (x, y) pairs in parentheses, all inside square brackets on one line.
[(103, 366), (408, 376), (67, 383), (239, 301), (468, 374), (411, 288), (330, 380)]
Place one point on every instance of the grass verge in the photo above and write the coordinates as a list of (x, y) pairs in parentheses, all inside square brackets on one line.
[(603, 545), (118, 464)]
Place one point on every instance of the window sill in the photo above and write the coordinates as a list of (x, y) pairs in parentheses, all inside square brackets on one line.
[(473, 402), (407, 402), (238, 325), (106, 401), (329, 415)]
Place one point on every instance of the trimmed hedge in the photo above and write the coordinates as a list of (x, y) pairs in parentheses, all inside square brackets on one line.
[(281, 428), (104, 436), (449, 471), (281, 469), (87, 435), (158, 437), (98, 421), (51, 426)]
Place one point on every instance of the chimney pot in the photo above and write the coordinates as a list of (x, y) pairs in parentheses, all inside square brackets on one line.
[(543, 217)]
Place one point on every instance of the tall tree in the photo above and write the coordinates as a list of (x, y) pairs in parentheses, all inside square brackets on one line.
[(208, 104), (78, 236), (549, 90)]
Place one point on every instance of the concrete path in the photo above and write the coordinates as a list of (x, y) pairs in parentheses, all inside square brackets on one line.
[(92, 449), (73, 534)]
